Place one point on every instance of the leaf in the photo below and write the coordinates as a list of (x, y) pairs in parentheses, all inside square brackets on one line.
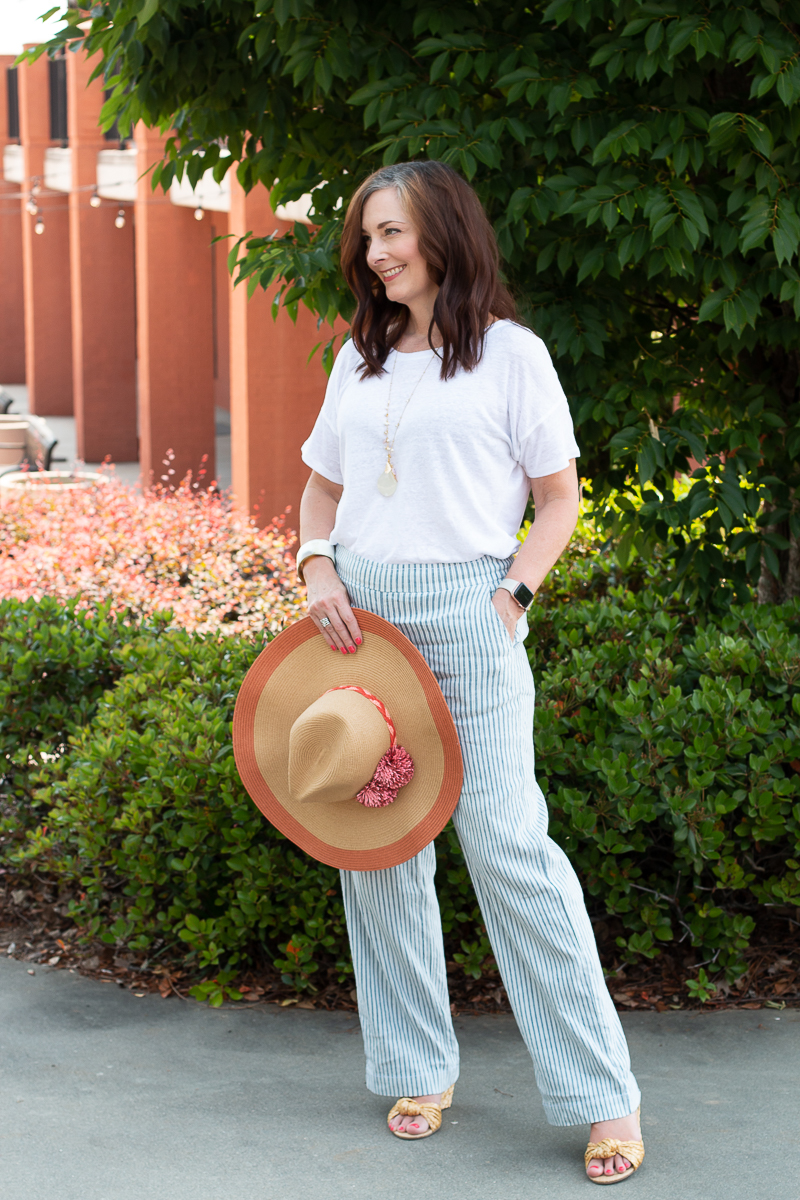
[(439, 65), (323, 74), (757, 223), (654, 37), (610, 143), (371, 92), (759, 136), (591, 261), (786, 235), (680, 33), (147, 12), (646, 460), (788, 85)]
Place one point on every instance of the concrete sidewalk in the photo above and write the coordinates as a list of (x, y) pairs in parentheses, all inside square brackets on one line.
[(104, 1096)]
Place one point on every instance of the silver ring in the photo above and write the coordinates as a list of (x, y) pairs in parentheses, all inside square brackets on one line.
[(324, 622)]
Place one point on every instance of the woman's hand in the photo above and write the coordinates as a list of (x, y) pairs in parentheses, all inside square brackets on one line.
[(507, 609), (327, 597)]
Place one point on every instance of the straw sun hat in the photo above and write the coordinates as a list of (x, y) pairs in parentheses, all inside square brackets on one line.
[(356, 759)]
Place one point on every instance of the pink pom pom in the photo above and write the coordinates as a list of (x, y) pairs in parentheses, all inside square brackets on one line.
[(394, 771)]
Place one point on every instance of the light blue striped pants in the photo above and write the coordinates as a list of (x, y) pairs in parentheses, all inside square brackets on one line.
[(529, 895)]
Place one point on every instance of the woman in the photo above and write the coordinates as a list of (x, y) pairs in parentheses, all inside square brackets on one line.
[(440, 416)]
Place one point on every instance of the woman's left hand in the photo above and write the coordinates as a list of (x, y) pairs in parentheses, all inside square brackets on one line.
[(507, 609)]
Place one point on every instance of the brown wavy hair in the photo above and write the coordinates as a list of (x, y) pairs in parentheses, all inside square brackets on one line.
[(459, 246)]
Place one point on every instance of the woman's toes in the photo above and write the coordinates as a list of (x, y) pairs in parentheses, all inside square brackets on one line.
[(595, 1167)]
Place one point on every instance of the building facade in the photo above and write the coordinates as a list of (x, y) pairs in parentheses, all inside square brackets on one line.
[(116, 305)]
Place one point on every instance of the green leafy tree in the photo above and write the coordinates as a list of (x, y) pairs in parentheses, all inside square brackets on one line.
[(640, 165)]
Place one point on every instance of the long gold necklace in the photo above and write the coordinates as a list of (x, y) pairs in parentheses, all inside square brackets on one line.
[(387, 480)]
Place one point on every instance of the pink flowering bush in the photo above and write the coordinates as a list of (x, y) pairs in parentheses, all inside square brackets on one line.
[(182, 550)]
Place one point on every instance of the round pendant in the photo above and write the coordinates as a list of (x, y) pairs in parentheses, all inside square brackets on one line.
[(387, 482)]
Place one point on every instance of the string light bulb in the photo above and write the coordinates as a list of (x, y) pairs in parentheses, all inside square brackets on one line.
[(39, 226), (37, 186), (198, 213), (119, 219), (95, 200), (32, 207)]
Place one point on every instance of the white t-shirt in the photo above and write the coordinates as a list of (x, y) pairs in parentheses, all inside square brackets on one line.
[(463, 455)]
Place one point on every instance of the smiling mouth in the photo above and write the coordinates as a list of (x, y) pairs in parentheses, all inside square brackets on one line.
[(395, 271)]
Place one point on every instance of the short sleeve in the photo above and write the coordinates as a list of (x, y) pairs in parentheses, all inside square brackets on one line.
[(321, 451), (542, 434)]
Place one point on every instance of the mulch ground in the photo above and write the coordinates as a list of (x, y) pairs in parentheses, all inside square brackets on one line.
[(34, 928)]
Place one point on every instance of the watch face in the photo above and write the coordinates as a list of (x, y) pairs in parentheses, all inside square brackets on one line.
[(523, 596)]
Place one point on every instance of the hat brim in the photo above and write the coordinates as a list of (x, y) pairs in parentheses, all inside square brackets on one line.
[(290, 674)]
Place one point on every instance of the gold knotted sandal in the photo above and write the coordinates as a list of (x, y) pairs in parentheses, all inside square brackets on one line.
[(633, 1151), (431, 1112)]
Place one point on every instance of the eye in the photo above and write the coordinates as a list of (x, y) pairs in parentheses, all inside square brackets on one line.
[(391, 229)]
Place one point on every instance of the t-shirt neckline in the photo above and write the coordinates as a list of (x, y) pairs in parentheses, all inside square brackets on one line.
[(411, 353)]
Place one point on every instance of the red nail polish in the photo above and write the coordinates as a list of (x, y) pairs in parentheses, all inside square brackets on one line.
[(343, 650), (358, 641), (352, 649)]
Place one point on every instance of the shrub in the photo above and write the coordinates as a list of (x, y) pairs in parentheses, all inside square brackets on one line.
[(182, 551), (665, 746), (56, 662), (669, 750), (145, 818)]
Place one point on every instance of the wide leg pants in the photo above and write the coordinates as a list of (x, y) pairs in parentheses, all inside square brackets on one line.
[(528, 893)]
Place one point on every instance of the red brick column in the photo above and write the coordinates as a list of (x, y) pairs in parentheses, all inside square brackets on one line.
[(12, 322), (45, 259), (275, 396), (174, 328), (218, 227), (103, 292)]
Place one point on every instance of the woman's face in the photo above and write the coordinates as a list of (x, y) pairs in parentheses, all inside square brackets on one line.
[(390, 242)]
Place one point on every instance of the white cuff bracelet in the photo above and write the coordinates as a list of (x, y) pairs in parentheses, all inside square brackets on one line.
[(313, 549)]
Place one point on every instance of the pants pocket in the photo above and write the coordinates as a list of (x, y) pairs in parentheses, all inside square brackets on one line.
[(500, 626)]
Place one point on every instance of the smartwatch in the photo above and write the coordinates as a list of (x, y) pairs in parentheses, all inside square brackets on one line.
[(522, 594)]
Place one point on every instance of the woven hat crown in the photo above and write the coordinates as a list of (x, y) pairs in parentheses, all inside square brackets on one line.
[(334, 747)]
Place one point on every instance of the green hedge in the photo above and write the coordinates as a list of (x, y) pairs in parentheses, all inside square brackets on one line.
[(665, 746)]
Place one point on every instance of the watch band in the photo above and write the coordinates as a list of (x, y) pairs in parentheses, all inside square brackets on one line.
[(313, 549), (519, 591)]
